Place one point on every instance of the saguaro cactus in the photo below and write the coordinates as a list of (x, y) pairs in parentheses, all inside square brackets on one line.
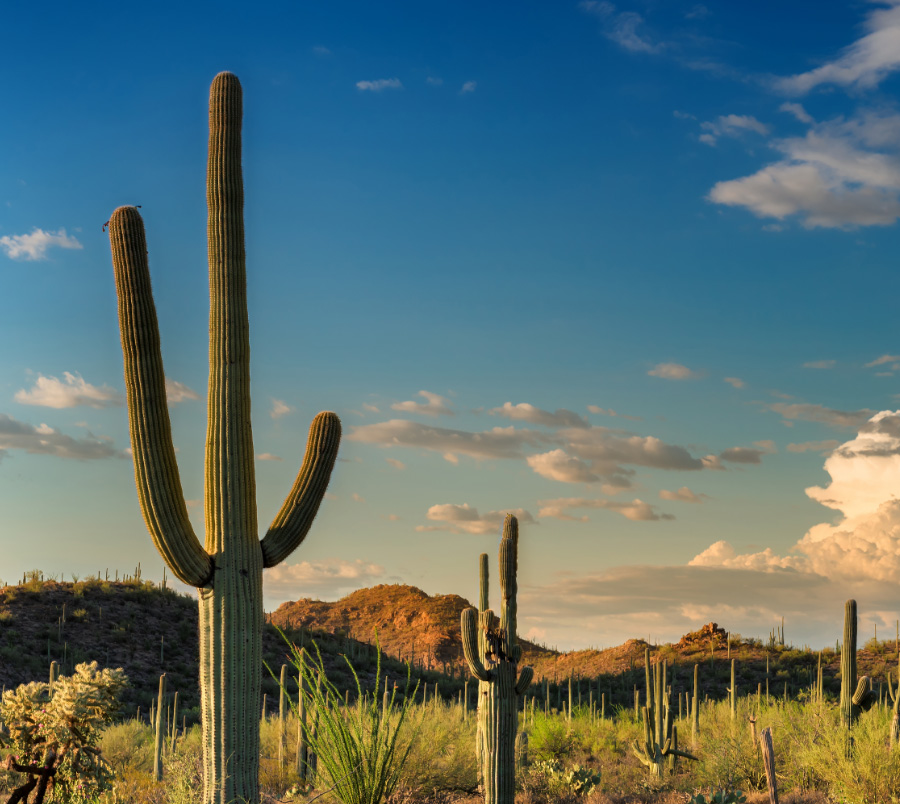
[(228, 570), (498, 670), (849, 710)]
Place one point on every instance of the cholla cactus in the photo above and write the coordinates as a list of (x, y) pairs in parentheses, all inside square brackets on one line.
[(227, 570), (54, 738), (498, 670)]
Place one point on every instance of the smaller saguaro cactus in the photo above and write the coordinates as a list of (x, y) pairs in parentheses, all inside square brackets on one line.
[(160, 730), (732, 693), (502, 681), (660, 735), (894, 693), (849, 711), (695, 709)]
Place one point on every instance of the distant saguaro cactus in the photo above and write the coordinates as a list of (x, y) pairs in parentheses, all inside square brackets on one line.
[(228, 570), (503, 683)]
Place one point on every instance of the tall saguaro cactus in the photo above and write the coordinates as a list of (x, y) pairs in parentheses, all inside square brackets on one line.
[(497, 669), (849, 710), (228, 570)]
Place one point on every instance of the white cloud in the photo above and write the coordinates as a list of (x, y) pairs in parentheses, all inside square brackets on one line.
[(379, 85), (267, 456), (735, 382), (435, 405), (672, 371), (843, 173), (636, 510), (178, 392), (820, 364), (684, 494), (327, 579), (731, 125), (34, 246), (44, 440), (467, 87), (466, 519), (279, 409), (70, 392), (863, 64), (523, 412), (557, 465), (395, 463), (797, 111), (880, 361), (608, 451)]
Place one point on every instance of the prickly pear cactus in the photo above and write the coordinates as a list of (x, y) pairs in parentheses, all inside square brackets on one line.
[(499, 672), (227, 570)]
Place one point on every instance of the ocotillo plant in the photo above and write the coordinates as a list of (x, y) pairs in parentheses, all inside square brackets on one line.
[(849, 710), (228, 570), (660, 737), (497, 712)]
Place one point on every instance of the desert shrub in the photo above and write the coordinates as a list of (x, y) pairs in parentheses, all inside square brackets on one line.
[(183, 769), (442, 757), (550, 737), (128, 744)]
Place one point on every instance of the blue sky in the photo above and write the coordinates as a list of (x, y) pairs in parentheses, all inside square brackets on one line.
[(626, 269)]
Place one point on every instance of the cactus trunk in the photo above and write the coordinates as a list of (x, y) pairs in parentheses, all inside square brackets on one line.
[(849, 710)]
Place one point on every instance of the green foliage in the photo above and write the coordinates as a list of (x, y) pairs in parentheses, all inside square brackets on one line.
[(68, 725), (551, 738), (576, 779), (359, 747)]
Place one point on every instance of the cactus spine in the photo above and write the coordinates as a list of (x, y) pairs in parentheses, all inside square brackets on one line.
[(849, 710), (227, 570), (499, 672)]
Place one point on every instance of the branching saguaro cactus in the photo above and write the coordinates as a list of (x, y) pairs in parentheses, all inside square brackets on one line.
[(228, 570), (660, 734), (498, 669)]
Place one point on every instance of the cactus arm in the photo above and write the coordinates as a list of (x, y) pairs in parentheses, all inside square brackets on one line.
[(296, 516), (509, 548), (155, 468), (679, 753), (641, 754), (470, 645), (525, 676)]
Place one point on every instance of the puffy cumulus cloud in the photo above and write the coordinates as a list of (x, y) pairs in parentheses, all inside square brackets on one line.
[(822, 415), (34, 246), (731, 125), (280, 408), (499, 442), (820, 364), (673, 371), (864, 63), (379, 85), (434, 405), (466, 519), (45, 440), (523, 412), (636, 510), (864, 545), (557, 465), (843, 173), (684, 494), (70, 392), (328, 579)]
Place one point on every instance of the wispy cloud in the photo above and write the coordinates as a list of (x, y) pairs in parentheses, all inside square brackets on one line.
[(468, 87), (622, 27), (280, 408), (178, 392), (610, 412), (636, 510), (434, 405), (880, 361), (684, 494), (814, 446), (524, 412), (434, 81), (861, 65), (735, 382), (70, 392), (45, 440), (34, 246), (395, 463), (379, 85), (466, 519), (819, 413), (267, 456), (673, 371), (843, 173), (731, 125), (797, 111)]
